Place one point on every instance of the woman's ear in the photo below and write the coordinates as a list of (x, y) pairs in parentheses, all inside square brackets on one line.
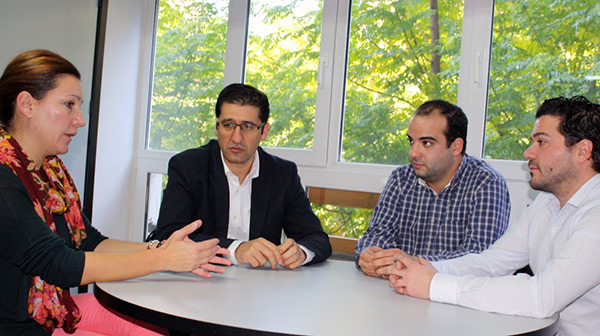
[(25, 104)]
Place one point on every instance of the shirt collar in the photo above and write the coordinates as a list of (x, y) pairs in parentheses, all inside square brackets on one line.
[(254, 170), (585, 189)]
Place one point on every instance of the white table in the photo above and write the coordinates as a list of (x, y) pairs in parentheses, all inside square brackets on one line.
[(331, 298)]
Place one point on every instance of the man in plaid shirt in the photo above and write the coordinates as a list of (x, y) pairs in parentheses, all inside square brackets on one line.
[(442, 205)]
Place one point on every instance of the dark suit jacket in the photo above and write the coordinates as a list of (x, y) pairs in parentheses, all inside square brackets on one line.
[(198, 189)]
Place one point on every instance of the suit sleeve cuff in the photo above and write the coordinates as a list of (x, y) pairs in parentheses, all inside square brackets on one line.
[(444, 288)]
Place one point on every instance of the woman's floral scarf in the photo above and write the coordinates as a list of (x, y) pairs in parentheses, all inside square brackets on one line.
[(53, 193)]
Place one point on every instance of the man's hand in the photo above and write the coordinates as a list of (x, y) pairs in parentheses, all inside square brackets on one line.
[(411, 277), (374, 260), (258, 252), (292, 254)]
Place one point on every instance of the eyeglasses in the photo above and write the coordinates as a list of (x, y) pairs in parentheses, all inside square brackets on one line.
[(246, 127)]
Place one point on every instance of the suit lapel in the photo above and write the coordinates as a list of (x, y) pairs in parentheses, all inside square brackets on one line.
[(220, 189), (261, 193)]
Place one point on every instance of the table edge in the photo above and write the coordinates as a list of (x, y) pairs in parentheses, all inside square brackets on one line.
[(172, 322)]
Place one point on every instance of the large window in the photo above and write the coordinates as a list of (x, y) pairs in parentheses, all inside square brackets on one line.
[(344, 77), (399, 55), (541, 49), (282, 61)]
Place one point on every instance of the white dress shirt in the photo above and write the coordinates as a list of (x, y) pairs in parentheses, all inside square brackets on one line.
[(562, 246), (240, 201)]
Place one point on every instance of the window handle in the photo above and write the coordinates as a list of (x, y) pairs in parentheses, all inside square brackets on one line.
[(323, 64), (477, 60)]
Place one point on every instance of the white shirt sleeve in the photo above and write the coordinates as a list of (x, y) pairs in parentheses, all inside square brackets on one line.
[(309, 254), (562, 248), (232, 247), (444, 288)]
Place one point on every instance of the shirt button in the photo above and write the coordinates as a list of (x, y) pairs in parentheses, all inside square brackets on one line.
[(433, 220), (428, 244)]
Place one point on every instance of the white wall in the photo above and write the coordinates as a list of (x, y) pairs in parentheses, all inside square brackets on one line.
[(115, 157), (67, 27)]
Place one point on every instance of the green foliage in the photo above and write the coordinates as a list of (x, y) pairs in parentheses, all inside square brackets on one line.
[(343, 221), (283, 62), (390, 73), (188, 73), (541, 49)]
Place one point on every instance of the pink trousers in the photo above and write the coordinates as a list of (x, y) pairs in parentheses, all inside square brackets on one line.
[(97, 320)]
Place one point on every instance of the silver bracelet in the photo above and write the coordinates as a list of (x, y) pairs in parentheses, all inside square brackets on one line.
[(152, 242)]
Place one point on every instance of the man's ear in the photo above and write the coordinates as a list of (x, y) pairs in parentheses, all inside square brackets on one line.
[(457, 146), (584, 150), (25, 104), (265, 131)]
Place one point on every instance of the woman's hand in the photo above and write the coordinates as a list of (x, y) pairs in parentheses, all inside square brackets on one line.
[(181, 254)]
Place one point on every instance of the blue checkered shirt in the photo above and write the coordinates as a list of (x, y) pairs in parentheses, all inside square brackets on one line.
[(468, 215)]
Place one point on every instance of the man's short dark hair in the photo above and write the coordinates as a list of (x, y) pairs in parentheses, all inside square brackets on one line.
[(579, 119), (456, 120), (243, 94)]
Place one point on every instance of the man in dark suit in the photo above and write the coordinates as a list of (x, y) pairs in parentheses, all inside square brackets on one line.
[(244, 196)]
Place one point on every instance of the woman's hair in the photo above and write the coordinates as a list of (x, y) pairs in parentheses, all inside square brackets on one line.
[(34, 71)]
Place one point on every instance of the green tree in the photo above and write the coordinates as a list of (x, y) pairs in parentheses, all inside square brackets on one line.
[(188, 73), (402, 53), (284, 64), (541, 49)]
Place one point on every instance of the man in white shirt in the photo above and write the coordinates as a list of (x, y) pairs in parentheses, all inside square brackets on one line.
[(244, 196), (558, 234)]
